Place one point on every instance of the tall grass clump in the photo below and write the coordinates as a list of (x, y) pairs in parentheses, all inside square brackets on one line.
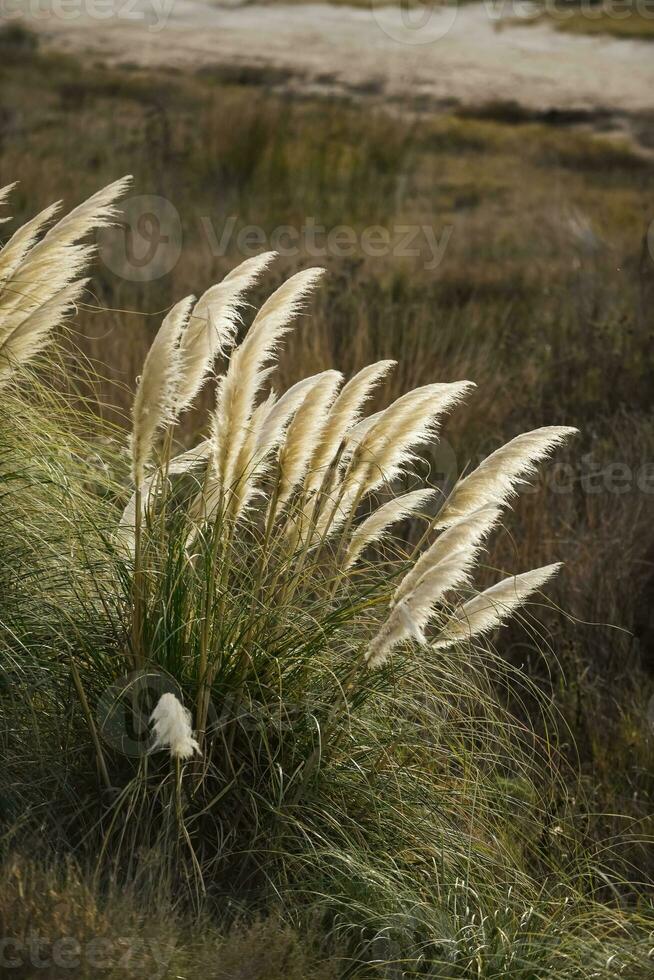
[(259, 665)]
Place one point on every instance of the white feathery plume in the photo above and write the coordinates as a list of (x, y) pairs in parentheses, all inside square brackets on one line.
[(4, 194), (375, 526), (54, 261), (155, 401), (190, 458), (343, 414), (384, 445), (340, 505), (251, 462), (274, 425), (15, 250), (265, 433), (21, 295), (212, 326), (248, 367), (490, 608), (32, 334), (389, 444), (304, 432), (172, 728), (356, 435), (466, 534), (97, 211), (38, 277), (493, 482), (410, 616)]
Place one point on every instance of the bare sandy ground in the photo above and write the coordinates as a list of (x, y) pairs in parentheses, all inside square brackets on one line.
[(465, 55)]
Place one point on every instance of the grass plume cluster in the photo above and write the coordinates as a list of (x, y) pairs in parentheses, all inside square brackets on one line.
[(340, 749)]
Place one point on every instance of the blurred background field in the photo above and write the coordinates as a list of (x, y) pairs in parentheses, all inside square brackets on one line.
[(543, 295)]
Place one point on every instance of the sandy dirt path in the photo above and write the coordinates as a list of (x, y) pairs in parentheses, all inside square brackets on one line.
[(463, 55)]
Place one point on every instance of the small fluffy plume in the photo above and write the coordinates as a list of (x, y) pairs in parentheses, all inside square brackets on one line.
[(212, 326), (304, 431), (490, 608), (248, 368), (375, 526), (411, 615), (172, 728), (31, 336), (156, 397), (466, 534), (493, 482)]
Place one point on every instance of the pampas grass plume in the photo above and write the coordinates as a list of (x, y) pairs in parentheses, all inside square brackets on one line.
[(489, 609), (493, 482), (156, 398)]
